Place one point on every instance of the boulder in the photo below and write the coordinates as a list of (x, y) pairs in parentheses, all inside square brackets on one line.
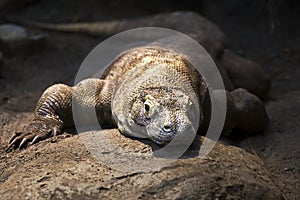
[(15, 38), (76, 168)]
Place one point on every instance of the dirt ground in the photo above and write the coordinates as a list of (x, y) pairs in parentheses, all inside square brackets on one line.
[(25, 75)]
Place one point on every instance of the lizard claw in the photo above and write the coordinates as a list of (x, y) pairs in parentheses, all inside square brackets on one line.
[(38, 130), (16, 134), (56, 131), (10, 144), (23, 143), (20, 140), (35, 139)]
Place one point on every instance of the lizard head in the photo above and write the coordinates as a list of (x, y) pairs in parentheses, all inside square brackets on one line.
[(163, 116)]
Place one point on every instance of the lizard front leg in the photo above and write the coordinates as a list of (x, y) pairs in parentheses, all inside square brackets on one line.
[(53, 112)]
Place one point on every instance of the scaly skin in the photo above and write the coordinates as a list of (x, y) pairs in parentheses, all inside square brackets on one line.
[(163, 93), (156, 108)]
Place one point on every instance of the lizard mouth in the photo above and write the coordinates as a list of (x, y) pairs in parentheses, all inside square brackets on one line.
[(162, 137)]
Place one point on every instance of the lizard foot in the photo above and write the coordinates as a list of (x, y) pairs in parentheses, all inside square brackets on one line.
[(39, 129)]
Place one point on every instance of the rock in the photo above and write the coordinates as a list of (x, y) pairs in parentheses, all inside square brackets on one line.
[(198, 27), (234, 64), (281, 142), (12, 33), (14, 38), (70, 169)]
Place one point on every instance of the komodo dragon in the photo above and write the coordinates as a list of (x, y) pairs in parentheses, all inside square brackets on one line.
[(153, 103)]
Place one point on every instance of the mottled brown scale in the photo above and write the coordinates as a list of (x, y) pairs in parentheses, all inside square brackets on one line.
[(53, 112)]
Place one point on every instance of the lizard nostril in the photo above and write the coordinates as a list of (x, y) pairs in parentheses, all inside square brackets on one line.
[(167, 128)]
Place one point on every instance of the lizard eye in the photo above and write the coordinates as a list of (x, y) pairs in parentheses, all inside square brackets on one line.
[(150, 105), (147, 107)]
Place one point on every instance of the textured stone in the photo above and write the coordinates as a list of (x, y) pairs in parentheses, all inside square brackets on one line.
[(14, 38), (69, 169)]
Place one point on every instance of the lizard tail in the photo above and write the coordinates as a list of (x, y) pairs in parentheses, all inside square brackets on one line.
[(90, 28)]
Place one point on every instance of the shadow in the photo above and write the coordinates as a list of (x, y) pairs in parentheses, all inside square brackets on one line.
[(192, 151)]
